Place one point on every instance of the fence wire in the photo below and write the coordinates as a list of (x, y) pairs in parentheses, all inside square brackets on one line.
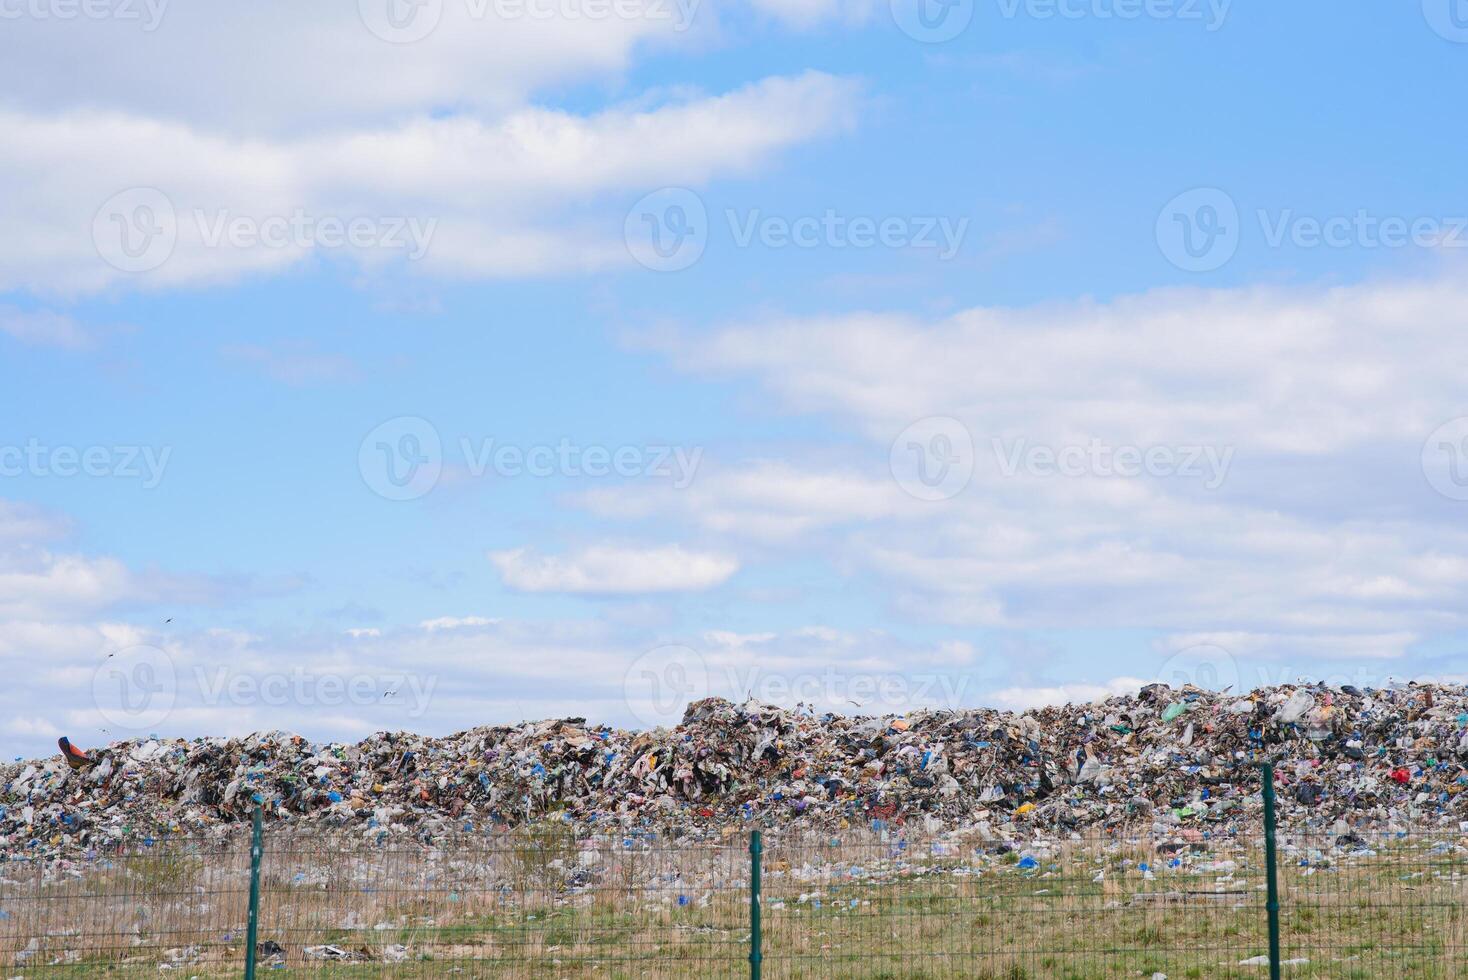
[(1365, 905), (874, 904)]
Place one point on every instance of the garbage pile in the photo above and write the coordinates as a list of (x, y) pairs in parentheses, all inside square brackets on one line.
[(1182, 760)]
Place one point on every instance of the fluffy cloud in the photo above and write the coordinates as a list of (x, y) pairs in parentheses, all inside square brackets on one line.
[(39, 583), (1020, 698), (1306, 372), (605, 570), (761, 498), (456, 623), (807, 13), (276, 64), (116, 196), (20, 522), (1302, 647), (328, 130), (296, 364), (282, 66), (43, 327), (33, 727), (1287, 505)]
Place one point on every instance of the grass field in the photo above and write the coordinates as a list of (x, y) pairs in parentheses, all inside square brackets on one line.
[(547, 905)]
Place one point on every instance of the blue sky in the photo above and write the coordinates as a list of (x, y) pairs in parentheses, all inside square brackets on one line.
[(868, 413)]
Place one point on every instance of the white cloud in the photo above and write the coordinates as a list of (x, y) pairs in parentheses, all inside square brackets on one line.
[(456, 622), (450, 675), (536, 191), (1301, 648), (278, 64), (766, 499), (729, 638), (1321, 524), (31, 727), (36, 584), (1269, 370), (296, 364), (21, 522), (808, 13), (43, 327), (62, 641), (283, 66), (1020, 698), (610, 570)]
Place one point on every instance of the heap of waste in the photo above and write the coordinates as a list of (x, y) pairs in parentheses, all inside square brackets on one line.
[(1183, 761)]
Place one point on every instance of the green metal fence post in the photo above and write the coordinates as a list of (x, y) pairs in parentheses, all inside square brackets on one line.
[(1271, 904), (756, 848), (257, 850)]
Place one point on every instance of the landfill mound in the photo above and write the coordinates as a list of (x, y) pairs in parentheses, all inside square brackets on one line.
[(1183, 761)]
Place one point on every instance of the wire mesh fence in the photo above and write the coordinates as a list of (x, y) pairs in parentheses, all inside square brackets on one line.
[(129, 908), (536, 904), (545, 902), (1375, 904), (541, 905), (1086, 907)]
